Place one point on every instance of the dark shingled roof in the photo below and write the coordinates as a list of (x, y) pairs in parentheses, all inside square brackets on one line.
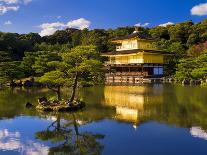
[(136, 51), (140, 35)]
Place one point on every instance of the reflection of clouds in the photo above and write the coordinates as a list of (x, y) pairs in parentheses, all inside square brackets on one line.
[(10, 141), (5, 133), (51, 118), (32, 148), (198, 132)]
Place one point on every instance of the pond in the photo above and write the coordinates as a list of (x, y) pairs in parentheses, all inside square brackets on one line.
[(118, 120)]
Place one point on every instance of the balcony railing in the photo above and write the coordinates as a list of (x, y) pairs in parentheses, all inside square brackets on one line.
[(108, 63), (128, 74), (122, 48)]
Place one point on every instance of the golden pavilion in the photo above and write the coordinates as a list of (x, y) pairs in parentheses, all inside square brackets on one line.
[(136, 60)]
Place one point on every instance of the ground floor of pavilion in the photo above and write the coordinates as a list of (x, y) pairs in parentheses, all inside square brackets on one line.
[(136, 73)]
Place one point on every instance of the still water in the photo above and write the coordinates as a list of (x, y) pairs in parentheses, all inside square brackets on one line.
[(118, 120)]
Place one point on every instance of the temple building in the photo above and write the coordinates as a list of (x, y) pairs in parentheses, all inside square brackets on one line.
[(136, 60)]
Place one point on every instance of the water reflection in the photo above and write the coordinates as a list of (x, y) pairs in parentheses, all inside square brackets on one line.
[(173, 105), (131, 101), (68, 139), (11, 141), (198, 132), (173, 109)]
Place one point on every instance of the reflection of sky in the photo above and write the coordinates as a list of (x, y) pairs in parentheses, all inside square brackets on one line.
[(198, 132), (11, 141), (18, 136)]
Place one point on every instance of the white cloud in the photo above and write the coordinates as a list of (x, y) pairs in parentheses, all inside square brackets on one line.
[(48, 31), (166, 24), (199, 10), (11, 5), (16, 1), (8, 22), (141, 25), (52, 25), (50, 28), (79, 23), (5, 9), (10, 1)]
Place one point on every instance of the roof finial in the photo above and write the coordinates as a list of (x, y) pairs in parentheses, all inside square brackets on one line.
[(138, 29)]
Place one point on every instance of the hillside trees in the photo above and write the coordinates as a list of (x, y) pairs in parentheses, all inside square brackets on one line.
[(195, 68), (10, 71)]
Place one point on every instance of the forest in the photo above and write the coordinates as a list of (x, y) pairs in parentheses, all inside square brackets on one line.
[(30, 55)]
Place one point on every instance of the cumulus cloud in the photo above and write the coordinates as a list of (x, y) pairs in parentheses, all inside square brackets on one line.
[(142, 25), (166, 24), (81, 23), (199, 10), (51, 28), (8, 22), (5, 9)]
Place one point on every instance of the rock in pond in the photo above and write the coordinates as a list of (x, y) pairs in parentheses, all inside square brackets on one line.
[(29, 105), (186, 82)]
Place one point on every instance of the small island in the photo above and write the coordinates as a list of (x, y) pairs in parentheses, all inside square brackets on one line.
[(59, 106)]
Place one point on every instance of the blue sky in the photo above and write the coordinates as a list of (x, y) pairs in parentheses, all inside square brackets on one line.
[(25, 16)]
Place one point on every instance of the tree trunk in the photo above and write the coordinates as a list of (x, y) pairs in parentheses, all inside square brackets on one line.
[(74, 88), (75, 125), (58, 123), (58, 93)]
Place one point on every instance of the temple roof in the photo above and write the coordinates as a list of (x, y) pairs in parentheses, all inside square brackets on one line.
[(140, 35), (136, 51)]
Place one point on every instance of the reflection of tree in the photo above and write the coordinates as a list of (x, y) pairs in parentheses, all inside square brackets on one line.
[(68, 138)]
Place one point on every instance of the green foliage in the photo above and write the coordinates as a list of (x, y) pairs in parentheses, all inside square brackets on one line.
[(5, 56), (79, 64), (40, 55), (84, 60), (27, 63), (10, 71), (185, 68), (43, 59), (160, 32), (53, 77), (192, 68), (180, 32), (17, 44)]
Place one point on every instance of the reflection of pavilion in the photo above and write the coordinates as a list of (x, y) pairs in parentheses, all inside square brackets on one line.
[(130, 101)]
